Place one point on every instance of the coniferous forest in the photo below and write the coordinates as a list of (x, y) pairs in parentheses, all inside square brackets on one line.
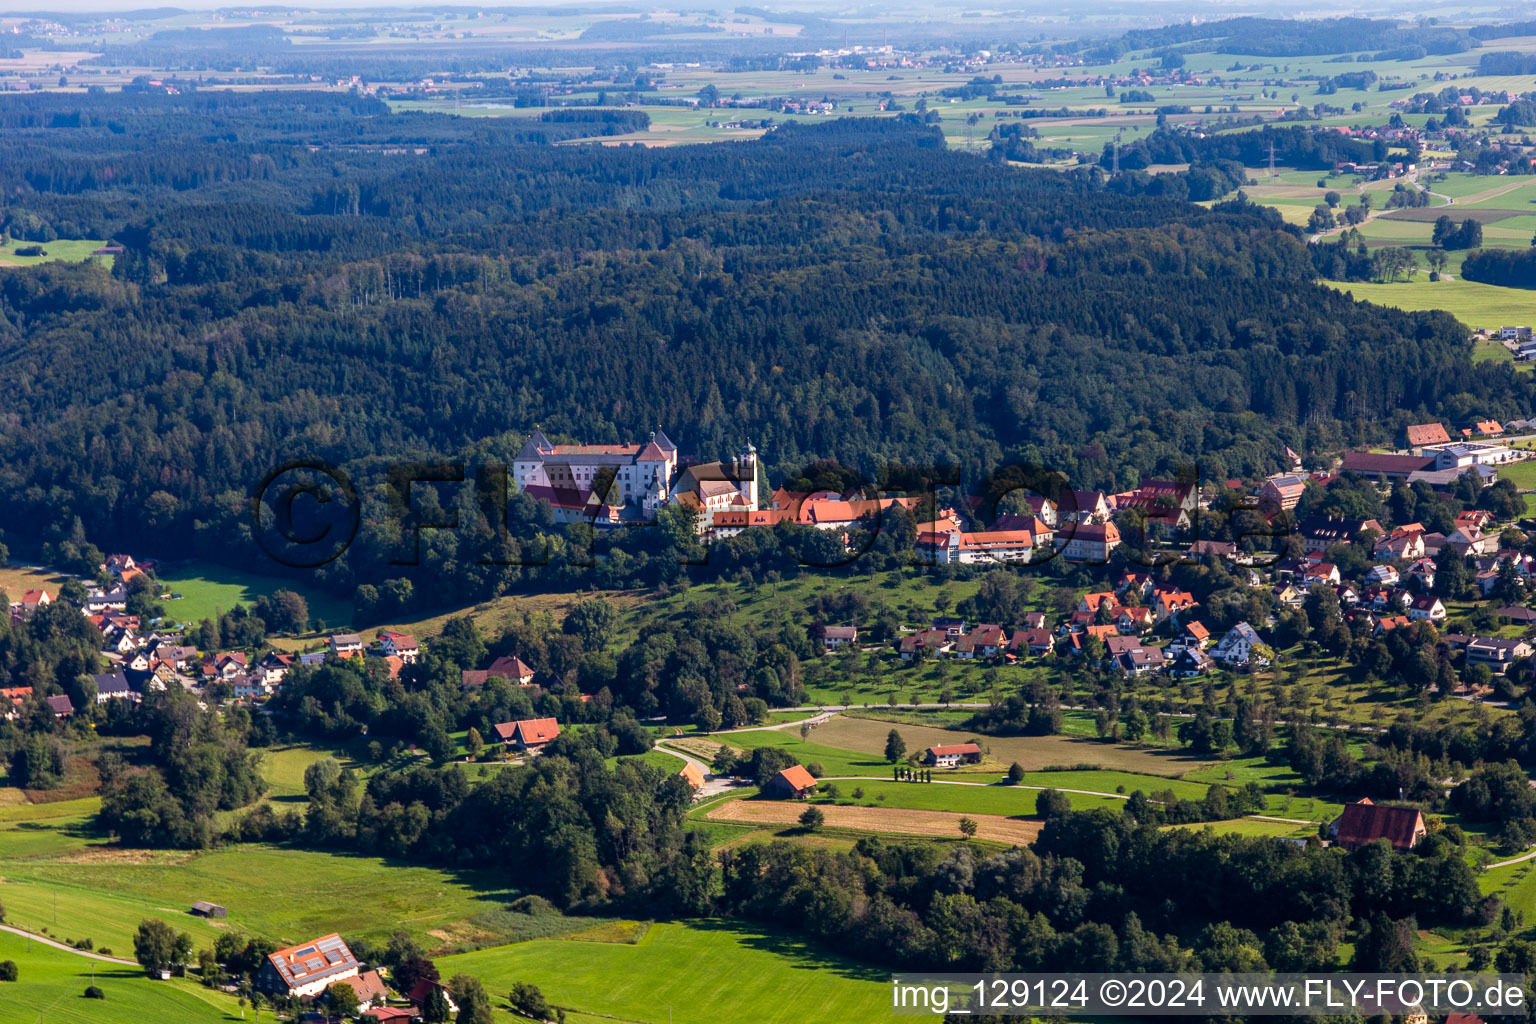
[(307, 275)]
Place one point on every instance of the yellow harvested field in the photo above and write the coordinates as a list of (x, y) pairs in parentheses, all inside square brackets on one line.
[(1032, 752), (890, 820)]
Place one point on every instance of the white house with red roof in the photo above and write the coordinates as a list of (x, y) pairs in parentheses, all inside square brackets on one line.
[(307, 969)]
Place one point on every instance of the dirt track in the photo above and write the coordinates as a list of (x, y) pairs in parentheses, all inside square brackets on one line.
[(893, 820)]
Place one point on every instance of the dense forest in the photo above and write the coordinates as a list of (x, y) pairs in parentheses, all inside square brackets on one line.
[(311, 277)]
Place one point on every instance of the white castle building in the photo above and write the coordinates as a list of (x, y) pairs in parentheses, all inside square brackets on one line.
[(609, 484)]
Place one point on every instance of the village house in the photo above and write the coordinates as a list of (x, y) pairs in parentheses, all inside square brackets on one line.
[(274, 667), (1321, 572), (1195, 635), (1204, 551), (1190, 662), (793, 783), (509, 667), (923, 643), (1036, 642), (370, 989), (1086, 507), (833, 637), (529, 734), (113, 686), (116, 565), (31, 601), (424, 988), (985, 641), (1426, 607), (1472, 541), (11, 699), (1376, 575), (1365, 822), (995, 546), (1140, 661), (1236, 649), (399, 645), (345, 645), (60, 705), (1168, 604), (308, 969), (951, 755), (1133, 621)]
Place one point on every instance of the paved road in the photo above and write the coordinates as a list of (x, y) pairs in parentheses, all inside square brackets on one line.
[(44, 940), (1512, 860), (713, 785)]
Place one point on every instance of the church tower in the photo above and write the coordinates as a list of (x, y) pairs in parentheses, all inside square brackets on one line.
[(746, 469)]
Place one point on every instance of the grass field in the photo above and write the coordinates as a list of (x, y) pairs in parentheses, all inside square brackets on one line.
[(1474, 304), (207, 589), (52, 983), (699, 972), (1033, 752), (60, 250), (103, 893)]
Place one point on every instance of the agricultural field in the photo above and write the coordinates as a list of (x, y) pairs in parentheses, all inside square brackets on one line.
[(55, 874), (884, 820), (697, 972), (52, 984)]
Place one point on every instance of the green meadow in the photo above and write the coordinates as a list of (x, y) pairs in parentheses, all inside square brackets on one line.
[(695, 972), (207, 589), (51, 987)]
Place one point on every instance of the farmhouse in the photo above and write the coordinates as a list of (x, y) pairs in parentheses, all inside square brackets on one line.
[(1365, 822), (508, 667), (369, 988), (692, 774), (308, 969), (530, 734), (346, 645), (793, 783), (399, 645), (951, 754), (839, 636), (1422, 434)]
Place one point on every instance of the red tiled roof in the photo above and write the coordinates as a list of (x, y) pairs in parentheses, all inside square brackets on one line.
[(797, 776), (1364, 822), (1427, 433), (954, 748)]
